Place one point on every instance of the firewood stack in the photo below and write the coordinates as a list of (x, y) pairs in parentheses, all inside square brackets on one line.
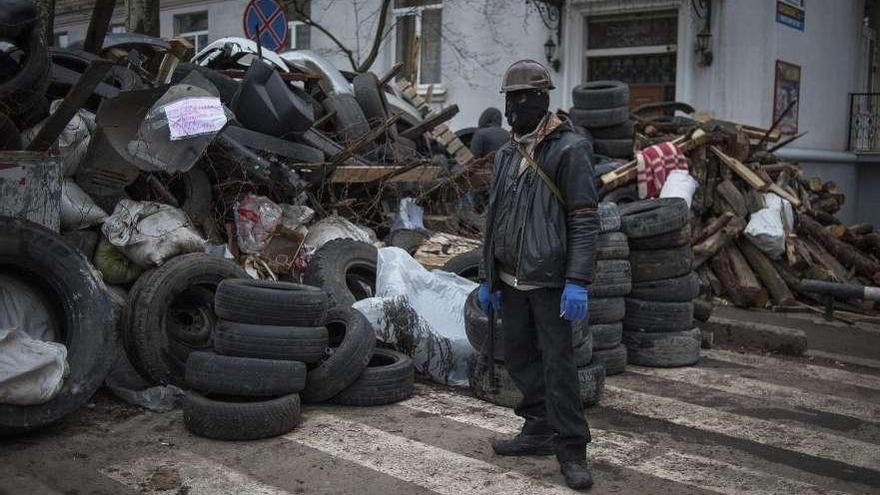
[(735, 171)]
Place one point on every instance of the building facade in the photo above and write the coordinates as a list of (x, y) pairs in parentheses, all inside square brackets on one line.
[(742, 60)]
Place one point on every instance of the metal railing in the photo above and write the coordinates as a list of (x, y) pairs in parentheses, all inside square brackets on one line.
[(864, 122)]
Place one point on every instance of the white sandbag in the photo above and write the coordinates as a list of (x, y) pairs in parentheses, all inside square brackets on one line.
[(410, 216), (78, 210), (31, 371), (24, 307), (421, 313), (149, 233), (336, 227), (783, 206), (766, 231), (73, 142), (679, 184)]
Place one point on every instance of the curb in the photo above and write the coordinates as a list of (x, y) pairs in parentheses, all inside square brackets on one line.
[(773, 338)]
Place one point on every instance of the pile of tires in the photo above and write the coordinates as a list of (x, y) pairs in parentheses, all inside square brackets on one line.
[(658, 329), (612, 282), (602, 107)]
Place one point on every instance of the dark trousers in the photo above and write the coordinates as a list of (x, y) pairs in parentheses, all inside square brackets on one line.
[(539, 355)]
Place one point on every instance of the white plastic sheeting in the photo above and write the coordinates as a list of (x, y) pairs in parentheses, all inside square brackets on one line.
[(31, 371), (421, 313), (149, 233), (410, 216), (679, 184)]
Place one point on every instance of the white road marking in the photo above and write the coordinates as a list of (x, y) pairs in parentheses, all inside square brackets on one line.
[(202, 476), (622, 450), (771, 392), (439, 470), (802, 369), (845, 358), (15, 482), (783, 436)]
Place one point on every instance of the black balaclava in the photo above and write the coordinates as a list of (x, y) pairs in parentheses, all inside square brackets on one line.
[(525, 109)]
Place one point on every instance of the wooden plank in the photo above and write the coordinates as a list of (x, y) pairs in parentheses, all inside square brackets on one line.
[(179, 48), (430, 122), (733, 197), (784, 194), (764, 269), (102, 13), (388, 76), (744, 172), (354, 174), (77, 96)]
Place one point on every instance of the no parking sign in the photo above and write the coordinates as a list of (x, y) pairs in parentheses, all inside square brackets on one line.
[(266, 17)]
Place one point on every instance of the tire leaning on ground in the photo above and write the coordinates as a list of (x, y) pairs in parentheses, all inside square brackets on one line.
[(661, 263), (306, 344), (652, 217), (600, 94), (215, 374), (613, 359), (352, 341), (605, 309), (652, 316), (679, 289), (466, 264), (237, 419), (663, 350), (591, 381), (84, 306), (267, 302), (612, 278), (388, 378), (345, 269), (600, 117), (612, 246), (153, 304), (675, 238)]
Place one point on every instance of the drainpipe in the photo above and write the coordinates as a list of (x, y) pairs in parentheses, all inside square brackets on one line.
[(824, 156)]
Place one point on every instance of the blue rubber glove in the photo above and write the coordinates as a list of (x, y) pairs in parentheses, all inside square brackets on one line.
[(486, 298), (573, 306)]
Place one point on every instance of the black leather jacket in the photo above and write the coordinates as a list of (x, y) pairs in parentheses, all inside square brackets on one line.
[(557, 241)]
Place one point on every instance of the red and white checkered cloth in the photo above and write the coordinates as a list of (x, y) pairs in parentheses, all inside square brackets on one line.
[(654, 163)]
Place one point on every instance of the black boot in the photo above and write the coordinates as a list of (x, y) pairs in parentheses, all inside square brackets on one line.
[(523, 444), (578, 473)]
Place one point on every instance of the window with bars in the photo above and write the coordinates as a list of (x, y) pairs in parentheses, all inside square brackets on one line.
[(418, 39), (194, 28), (300, 37)]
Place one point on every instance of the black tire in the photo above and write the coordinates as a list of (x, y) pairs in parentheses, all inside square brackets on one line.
[(675, 238), (653, 217), (370, 97), (605, 310), (152, 349), (609, 217), (306, 344), (407, 239), (625, 130), (617, 148), (10, 137), (621, 196), (600, 94), (352, 341), (703, 309), (19, 17), (25, 91), (606, 335), (466, 264), (351, 124), (215, 374), (614, 359), (240, 420), (591, 379), (583, 348), (345, 269), (663, 350), (226, 86), (389, 378), (652, 316), (476, 327), (612, 279), (612, 246), (82, 303), (601, 117), (84, 240), (661, 263), (685, 288), (267, 302)]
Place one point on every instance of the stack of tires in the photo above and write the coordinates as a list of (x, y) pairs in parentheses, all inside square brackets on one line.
[(658, 329), (602, 107), (611, 283)]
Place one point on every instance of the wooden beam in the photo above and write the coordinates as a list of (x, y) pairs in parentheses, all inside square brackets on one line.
[(764, 269), (179, 48), (744, 172), (848, 255), (430, 122), (356, 174), (388, 76), (98, 26)]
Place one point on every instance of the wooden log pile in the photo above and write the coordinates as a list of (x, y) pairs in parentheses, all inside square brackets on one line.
[(735, 170)]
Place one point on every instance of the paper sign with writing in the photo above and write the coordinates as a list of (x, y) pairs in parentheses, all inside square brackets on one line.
[(194, 117)]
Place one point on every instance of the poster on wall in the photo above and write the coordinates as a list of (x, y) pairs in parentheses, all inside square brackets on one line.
[(790, 13), (786, 90)]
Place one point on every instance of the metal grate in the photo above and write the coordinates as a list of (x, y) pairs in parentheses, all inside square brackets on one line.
[(864, 122)]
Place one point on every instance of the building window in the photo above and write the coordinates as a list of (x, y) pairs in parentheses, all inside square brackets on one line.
[(62, 40), (418, 35), (638, 49), (194, 28), (300, 36)]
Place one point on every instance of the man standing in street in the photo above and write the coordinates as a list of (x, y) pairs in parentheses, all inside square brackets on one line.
[(538, 253)]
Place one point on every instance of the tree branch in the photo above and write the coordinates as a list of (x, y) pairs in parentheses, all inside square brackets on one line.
[(377, 39), (307, 20)]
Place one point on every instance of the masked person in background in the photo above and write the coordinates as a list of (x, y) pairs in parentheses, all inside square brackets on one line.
[(538, 252)]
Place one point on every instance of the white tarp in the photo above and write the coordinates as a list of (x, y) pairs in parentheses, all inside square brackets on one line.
[(421, 313), (31, 371)]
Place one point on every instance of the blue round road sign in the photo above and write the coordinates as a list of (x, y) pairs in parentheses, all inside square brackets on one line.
[(266, 17)]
